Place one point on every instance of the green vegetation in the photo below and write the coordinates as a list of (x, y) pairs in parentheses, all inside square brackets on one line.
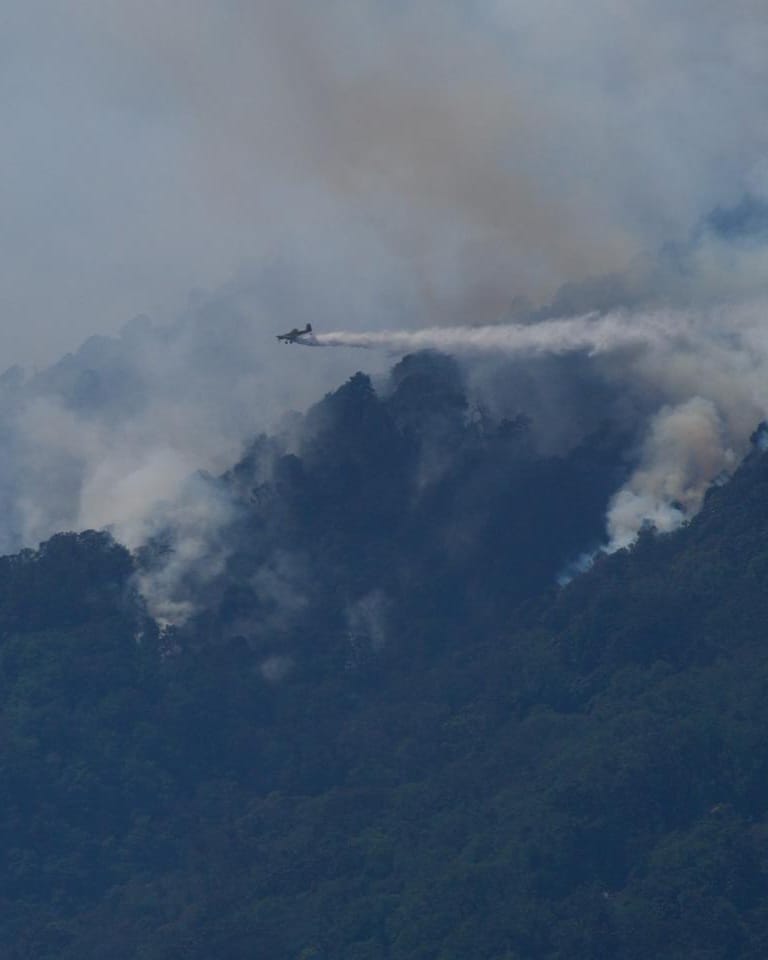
[(506, 773)]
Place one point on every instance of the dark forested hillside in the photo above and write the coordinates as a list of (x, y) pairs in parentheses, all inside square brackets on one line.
[(386, 734)]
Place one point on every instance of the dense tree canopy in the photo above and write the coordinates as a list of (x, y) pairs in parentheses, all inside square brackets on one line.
[(386, 734)]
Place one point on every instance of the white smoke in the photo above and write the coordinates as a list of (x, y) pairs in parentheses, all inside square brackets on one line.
[(685, 449), (414, 165), (115, 435), (192, 529), (593, 334), (701, 376)]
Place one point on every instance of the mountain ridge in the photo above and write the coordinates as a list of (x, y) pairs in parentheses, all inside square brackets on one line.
[(357, 761)]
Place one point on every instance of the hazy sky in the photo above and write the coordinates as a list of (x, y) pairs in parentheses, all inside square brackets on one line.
[(406, 163), (231, 170)]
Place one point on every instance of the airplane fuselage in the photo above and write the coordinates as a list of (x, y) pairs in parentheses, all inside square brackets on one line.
[(293, 335)]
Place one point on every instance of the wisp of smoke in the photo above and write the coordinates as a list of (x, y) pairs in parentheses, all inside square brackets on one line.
[(685, 449), (702, 376), (592, 333)]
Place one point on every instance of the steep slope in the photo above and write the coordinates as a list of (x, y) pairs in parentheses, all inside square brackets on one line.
[(387, 735), (407, 493)]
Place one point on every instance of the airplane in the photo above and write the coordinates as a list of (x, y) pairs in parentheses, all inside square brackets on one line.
[(295, 335)]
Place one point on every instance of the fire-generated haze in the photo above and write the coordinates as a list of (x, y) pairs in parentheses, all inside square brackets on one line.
[(115, 435), (415, 164), (522, 184), (703, 375)]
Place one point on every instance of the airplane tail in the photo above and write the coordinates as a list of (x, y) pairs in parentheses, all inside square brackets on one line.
[(309, 328)]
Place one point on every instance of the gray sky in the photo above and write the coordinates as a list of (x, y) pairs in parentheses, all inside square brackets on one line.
[(407, 164)]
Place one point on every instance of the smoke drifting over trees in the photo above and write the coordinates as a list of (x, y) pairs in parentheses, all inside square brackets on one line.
[(379, 731), (116, 435), (506, 168), (343, 656)]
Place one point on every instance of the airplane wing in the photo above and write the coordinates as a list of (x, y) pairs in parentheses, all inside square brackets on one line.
[(294, 336)]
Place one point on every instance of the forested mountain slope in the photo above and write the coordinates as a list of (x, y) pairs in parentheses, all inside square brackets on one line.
[(385, 733)]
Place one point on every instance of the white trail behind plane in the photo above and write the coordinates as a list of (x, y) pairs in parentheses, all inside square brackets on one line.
[(592, 333)]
